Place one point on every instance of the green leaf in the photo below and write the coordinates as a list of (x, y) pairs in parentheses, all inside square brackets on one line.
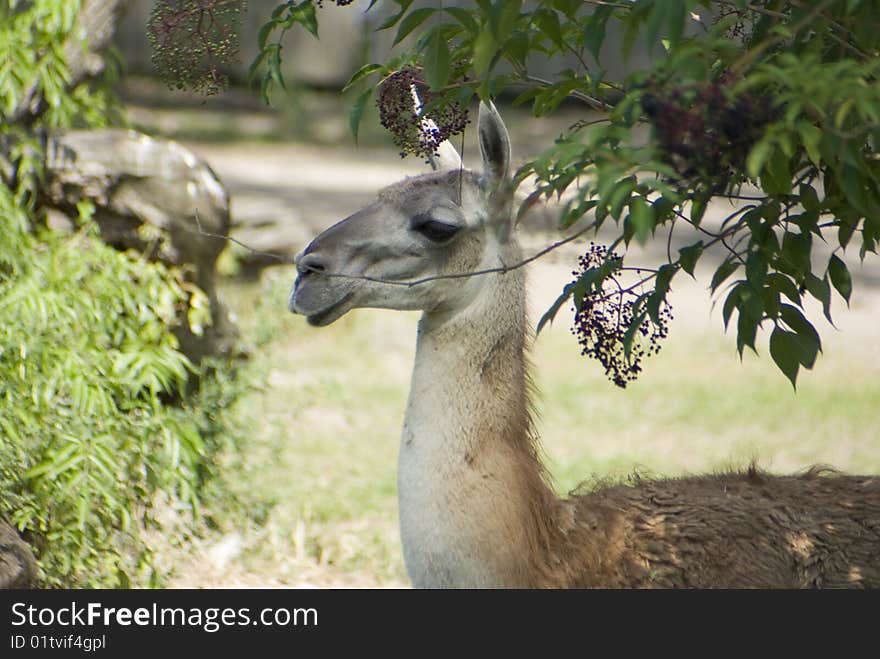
[(756, 268), (516, 49), (730, 303), (845, 230), (655, 18), (795, 255), (688, 257), (304, 14), (619, 195), (746, 328), (360, 74), (392, 20), (279, 10), (436, 61), (527, 95), (464, 17), (255, 65), (664, 278), (698, 209), (751, 311), (676, 19), (357, 112), (576, 289), (502, 18), (727, 268), (51, 463), (843, 110), (806, 336), (840, 277), (661, 288), (776, 176), (852, 182), (548, 24), (594, 32), (811, 136), (273, 67), (783, 350), (759, 155), (264, 33), (820, 289), (415, 18), (642, 217), (550, 314), (631, 331), (485, 48), (781, 283), (664, 207), (809, 198)]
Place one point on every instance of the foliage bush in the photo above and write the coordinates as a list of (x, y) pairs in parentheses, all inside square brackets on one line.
[(772, 104), (100, 424)]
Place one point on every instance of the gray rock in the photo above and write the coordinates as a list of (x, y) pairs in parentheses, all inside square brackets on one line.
[(136, 180), (18, 567)]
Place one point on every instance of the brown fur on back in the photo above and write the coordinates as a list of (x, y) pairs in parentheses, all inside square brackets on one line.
[(734, 530)]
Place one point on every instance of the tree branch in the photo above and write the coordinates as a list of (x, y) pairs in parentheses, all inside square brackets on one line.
[(751, 55), (281, 259), (595, 103)]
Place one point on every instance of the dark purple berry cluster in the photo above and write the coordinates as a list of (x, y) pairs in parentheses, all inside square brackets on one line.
[(195, 42), (604, 317), (409, 132), (703, 130)]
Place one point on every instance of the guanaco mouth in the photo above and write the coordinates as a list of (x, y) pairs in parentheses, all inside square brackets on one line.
[(329, 314)]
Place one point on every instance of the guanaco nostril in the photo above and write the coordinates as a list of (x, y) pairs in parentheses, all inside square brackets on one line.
[(310, 263)]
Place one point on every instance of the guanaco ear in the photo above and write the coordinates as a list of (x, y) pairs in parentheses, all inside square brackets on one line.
[(495, 147)]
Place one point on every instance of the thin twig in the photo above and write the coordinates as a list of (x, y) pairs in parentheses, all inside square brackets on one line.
[(623, 291), (281, 259), (415, 282), (462, 275), (595, 103), (602, 3), (719, 237), (580, 124), (843, 42), (848, 46)]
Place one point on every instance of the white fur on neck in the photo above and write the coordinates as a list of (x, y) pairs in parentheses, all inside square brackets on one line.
[(461, 520)]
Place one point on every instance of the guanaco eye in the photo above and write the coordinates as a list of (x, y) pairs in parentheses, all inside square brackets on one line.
[(434, 230)]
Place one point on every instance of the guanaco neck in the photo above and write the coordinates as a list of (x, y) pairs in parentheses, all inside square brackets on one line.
[(474, 507)]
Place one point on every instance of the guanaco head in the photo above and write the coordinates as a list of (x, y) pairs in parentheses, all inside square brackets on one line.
[(408, 248)]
